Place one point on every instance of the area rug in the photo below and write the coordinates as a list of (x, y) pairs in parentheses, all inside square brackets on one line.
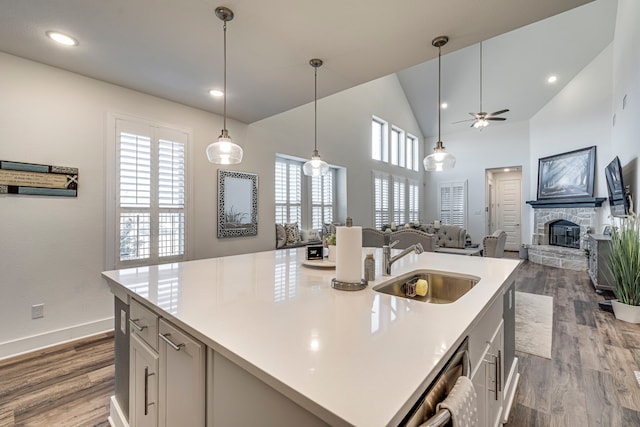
[(534, 320)]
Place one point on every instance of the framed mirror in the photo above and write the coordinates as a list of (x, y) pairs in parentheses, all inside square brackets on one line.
[(237, 204)]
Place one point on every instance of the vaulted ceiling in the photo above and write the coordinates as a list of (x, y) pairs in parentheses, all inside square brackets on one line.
[(173, 49)]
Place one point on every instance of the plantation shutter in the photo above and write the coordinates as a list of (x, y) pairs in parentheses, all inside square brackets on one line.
[(381, 183), (452, 203)]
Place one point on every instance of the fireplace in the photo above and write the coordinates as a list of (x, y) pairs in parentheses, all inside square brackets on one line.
[(564, 233)]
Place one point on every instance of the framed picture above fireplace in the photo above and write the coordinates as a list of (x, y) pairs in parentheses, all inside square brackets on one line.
[(567, 175)]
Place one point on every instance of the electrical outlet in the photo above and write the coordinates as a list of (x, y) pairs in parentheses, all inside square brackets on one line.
[(123, 321), (37, 311)]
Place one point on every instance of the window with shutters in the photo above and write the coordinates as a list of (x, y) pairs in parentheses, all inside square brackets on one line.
[(381, 184), (413, 203), (150, 194), (307, 201), (452, 203), (322, 199), (395, 199), (288, 183), (399, 200)]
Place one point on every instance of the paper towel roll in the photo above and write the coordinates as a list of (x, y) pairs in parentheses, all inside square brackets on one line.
[(349, 254)]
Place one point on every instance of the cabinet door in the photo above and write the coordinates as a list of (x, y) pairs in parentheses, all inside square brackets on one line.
[(143, 384), (182, 378), (495, 378), (480, 380)]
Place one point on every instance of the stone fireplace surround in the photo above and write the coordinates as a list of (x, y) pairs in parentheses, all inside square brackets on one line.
[(541, 252)]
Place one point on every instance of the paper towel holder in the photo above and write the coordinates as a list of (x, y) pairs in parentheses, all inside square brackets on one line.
[(348, 286)]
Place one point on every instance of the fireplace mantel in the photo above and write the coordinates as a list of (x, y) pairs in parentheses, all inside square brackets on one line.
[(573, 202)]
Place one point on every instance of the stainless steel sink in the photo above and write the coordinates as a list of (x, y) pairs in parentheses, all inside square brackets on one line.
[(443, 288)]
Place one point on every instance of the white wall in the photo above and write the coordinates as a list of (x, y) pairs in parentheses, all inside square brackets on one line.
[(344, 139), (497, 146), (52, 249), (625, 139), (578, 117)]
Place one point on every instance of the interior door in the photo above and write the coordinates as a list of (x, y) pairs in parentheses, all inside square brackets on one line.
[(509, 210)]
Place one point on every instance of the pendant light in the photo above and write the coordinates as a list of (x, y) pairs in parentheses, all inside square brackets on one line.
[(316, 166), (224, 151), (439, 160)]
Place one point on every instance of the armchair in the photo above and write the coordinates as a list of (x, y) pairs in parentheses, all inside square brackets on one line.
[(493, 245)]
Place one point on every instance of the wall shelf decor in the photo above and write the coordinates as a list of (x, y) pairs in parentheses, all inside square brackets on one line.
[(38, 180), (237, 204)]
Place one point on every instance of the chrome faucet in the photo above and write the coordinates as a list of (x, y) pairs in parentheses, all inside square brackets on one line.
[(387, 260)]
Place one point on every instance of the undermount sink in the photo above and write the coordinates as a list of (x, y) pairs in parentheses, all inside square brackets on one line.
[(443, 288)]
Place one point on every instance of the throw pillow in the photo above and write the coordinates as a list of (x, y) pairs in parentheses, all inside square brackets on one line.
[(293, 233), (281, 236)]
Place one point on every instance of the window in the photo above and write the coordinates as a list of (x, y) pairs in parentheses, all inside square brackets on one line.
[(395, 199), (413, 161), (393, 145), (150, 194), (399, 200), (452, 203), (379, 140), (414, 201), (288, 191), (381, 183), (322, 199), (307, 201)]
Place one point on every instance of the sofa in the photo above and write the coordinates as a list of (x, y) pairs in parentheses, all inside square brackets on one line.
[(405, 237), (291, 236), (447, 236)]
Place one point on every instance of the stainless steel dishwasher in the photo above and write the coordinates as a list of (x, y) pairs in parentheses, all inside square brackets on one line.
[(423, 413)]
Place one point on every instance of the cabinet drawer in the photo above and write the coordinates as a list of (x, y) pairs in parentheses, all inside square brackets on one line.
[(144, 324)]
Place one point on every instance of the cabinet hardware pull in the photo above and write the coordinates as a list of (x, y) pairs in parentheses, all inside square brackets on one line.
[(165, 338), (133, 323), (497, 377), (496, 369), (500, 370), (146, 390)]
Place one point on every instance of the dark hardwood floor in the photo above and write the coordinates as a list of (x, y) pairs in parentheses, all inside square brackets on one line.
[(588, 382), (66, 385), (590, 379)]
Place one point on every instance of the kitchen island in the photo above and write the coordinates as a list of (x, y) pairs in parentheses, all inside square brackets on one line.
[(276, 327)]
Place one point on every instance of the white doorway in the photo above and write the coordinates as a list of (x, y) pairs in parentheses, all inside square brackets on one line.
[(504, 204)]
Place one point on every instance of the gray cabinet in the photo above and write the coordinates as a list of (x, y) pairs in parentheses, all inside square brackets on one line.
[(599, 247)]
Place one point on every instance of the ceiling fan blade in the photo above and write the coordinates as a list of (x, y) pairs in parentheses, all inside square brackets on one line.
[(495, 118), (474, 115), (498, 112), (462, 121)]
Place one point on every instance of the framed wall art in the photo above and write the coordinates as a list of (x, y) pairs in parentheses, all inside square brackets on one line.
[(567, 175), (237, 204), (38, 180)]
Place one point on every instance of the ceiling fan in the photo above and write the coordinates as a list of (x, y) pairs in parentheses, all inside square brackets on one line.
[(481, 120)]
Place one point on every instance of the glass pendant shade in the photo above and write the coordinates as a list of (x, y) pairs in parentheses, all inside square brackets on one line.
[(316, 166), (439, 160), (224, 151)]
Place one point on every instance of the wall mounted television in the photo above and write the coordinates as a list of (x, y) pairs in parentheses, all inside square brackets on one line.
[(618, 193)]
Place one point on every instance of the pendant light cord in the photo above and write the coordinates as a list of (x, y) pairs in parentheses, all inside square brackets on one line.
[(315, 111), (224, 126), (439, 88)]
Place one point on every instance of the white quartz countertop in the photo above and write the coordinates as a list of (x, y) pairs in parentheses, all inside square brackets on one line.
[(351, 358)]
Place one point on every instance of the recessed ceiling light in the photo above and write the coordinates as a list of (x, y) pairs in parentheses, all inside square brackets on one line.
[(444, 105), (552, 79), (62, 38), (216, 92), (507, 170)]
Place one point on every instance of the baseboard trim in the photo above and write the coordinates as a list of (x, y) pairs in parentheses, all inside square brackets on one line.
[(510, 390), (116, 416), (37, 342)]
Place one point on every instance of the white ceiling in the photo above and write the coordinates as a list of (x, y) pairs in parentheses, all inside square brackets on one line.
[(173, 49)]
